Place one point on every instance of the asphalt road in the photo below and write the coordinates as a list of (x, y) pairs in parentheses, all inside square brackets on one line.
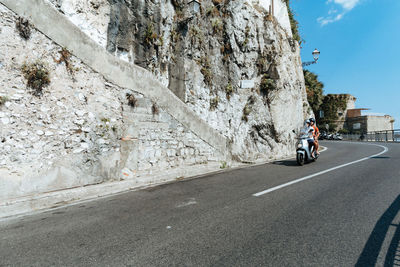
[(346, 217)]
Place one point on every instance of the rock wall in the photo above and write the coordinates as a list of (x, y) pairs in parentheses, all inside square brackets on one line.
[(203, 58), (280, 13), (81, 129), (92, 17)]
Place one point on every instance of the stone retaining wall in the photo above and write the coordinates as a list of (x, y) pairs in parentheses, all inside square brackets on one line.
[(81, 130)]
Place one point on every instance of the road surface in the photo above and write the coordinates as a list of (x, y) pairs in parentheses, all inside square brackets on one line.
[(340, 215)]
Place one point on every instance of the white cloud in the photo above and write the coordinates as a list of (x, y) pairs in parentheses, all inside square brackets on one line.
[(333, 16), (346, 4), (332, 11), (323, 21)]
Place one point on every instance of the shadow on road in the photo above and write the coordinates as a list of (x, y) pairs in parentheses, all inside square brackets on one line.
[(375, 241), (291, 163)]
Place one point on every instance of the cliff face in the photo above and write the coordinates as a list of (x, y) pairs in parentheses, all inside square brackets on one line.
[(68, 121), (231, 67), (203, 57)]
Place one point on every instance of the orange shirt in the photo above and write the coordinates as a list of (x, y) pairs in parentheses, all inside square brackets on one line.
[(316, 131)]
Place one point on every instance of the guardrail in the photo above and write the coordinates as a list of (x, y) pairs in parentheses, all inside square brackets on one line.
[(378, 136)]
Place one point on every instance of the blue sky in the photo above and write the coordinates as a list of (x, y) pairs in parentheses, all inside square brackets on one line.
[(359, 42)]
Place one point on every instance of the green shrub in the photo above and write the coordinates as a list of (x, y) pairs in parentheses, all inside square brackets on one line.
[(214, 103), (229, 91), (150, 36), (247, 34), (217, 25), (37, 76), (331, 105), (224, 164), (131, 100), (174, 36), (3, 100), (314, 89), (206, 70), (246, 112), (294, 24), (24, 28), (267, 85), (195, 31)]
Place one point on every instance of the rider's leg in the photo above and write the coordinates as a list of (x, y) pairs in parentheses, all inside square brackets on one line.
[(311, 144), (316, 146)]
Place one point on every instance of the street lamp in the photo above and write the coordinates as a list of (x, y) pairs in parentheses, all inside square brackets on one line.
[(315, 54)]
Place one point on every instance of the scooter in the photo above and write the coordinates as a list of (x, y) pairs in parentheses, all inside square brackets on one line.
[(304, 151)]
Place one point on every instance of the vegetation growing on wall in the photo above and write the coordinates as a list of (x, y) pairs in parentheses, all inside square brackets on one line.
[(294, 24), (229, 91), (217, 25), (331, 105), (150, 36), (246, 34), (267, 84), (214, 103), (212, 11), (65, 56), (247, 109), (131, 100), (23, 28), (3, 100), (206, 70), (37, 76), (154, 109), (246, 112)]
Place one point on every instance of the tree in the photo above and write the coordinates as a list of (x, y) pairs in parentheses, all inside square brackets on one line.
[(315, 92), (331, 105)]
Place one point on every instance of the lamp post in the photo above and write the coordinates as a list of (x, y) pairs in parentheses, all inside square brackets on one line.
[(315, 54)]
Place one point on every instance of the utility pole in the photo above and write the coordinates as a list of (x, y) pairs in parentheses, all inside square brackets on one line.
[(272, 4), (271, 11)]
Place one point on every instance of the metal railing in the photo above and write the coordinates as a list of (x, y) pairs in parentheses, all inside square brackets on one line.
[(378, 136)]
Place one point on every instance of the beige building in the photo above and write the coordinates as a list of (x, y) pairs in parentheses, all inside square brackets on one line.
[(368, 123), (352, 119)]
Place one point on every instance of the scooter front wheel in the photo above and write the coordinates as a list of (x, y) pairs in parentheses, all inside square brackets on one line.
[(300, 159)]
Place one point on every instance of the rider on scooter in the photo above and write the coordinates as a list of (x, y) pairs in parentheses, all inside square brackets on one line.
[(310, 132), (316, 135)]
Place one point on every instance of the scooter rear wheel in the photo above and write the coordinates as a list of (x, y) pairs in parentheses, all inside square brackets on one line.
[(300, 159)]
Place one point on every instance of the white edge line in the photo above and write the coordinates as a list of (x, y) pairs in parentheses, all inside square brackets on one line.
[(385, 149)]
